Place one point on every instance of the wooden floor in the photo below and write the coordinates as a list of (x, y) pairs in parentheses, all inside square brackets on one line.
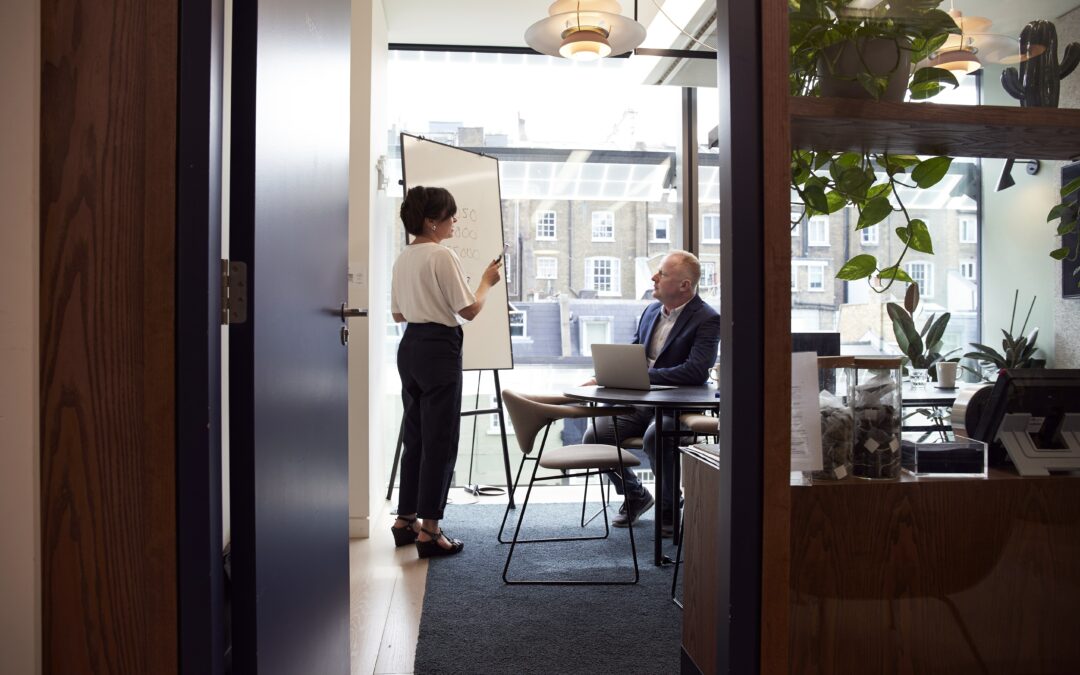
[(387, 589)]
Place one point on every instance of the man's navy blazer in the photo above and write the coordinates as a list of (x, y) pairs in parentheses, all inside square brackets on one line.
[(691, 346)]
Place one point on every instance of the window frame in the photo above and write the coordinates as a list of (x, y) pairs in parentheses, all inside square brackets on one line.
[(708, 217), (926, 289), (666, 218), (554, 260), (554, 224), (615, 273), (810, 239), (811, 272), (524, 322), (971, 263), (963, 219), (875, 240), (607, 215)]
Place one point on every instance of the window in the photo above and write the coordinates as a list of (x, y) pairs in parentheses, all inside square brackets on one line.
[(602, 276), (594, 330), (545, 225), (708, 276), (869, 235), (517, 323), (547, 267), (603, 226), (967, 269), (818, 231), (710, 228), (493, 425), (659, 228), (794, 277), (922, 273), (815, 276), (969, 228), (796, 220)]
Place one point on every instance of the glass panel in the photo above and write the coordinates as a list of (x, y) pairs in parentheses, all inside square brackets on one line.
[(590, 205)]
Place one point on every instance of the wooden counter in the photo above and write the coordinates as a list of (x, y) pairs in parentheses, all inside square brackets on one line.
[(936, 576)]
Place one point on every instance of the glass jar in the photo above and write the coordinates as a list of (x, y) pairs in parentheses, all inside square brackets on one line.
[(835, 377), (875, 400)]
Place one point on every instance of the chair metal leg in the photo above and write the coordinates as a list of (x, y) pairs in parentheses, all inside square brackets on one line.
[(510, 504), (678, 564), (563, 582)]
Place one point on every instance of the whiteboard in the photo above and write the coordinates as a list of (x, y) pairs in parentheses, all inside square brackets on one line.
[(473, 179)]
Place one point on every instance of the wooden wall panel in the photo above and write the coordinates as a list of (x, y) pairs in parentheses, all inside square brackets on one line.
[(776, 506), (956, 576), (107, 336)]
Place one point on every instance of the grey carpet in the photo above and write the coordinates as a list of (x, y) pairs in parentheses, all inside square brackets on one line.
[(474, 623)]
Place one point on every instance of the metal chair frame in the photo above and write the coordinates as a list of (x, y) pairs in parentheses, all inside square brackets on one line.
[(524, 507)]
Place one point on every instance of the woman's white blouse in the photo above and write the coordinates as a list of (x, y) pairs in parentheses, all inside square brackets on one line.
[(429, 285)]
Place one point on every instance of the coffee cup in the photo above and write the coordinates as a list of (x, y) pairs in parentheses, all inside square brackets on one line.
[(714, 373), (946, 374)]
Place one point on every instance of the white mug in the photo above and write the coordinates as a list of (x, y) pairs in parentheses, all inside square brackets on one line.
[(946, 374), (714, 373)]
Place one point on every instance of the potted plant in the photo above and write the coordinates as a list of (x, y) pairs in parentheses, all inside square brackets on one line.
[(921, 348), (834, 42), (826, 182), (1016, 351)]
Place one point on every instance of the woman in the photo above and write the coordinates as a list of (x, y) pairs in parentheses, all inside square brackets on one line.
[(430, 292)]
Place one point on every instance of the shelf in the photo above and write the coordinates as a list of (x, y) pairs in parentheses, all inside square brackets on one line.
[(935, 129)]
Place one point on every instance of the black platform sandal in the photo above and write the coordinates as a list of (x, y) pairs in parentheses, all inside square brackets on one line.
[(431, 548), (403, 536)]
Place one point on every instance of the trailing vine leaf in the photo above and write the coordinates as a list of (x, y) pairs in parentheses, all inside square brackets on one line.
[(917, 236), (928, 82), (859, 267), (1070, 187), (875, 211), (896, 273), (1059, 253), (930, 171)]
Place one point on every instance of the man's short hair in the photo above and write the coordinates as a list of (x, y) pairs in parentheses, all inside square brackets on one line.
[(689, 265)]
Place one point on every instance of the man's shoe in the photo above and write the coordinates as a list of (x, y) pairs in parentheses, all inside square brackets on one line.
[(637, 507)]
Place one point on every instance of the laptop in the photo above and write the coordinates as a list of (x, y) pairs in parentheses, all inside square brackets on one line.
[(623, 367)]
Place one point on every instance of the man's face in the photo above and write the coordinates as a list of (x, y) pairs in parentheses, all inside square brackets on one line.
[(668, 282)]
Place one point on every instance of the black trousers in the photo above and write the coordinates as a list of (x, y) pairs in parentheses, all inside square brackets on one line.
[(429, 363)]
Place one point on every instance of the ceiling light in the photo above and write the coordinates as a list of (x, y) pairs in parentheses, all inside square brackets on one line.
[(960, 61), (585, 30)]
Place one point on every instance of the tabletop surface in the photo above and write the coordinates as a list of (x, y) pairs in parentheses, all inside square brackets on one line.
[(704, 396)]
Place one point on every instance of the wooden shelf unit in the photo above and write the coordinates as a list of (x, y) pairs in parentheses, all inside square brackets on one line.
[(935, 129)]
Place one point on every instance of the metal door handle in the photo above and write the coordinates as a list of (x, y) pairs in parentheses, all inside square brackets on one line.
[(351, 312)]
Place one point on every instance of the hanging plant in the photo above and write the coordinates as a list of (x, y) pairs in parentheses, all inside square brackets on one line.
[(827, 182)]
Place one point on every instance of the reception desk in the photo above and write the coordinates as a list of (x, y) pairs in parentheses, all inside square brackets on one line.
[(911, 576), (936, 576)]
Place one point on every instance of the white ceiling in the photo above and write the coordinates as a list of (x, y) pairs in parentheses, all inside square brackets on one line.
[(502, 23)]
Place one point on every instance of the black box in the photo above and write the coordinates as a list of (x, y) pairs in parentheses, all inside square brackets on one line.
[(964, 456)]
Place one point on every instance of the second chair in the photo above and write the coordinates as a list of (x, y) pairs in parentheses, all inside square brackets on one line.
[(529, 415)]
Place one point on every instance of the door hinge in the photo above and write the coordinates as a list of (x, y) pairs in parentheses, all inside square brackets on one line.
[(233, 292)]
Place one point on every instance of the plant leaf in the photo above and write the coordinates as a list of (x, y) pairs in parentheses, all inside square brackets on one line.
[(1056, 212), (1070, 187), (880, 190), (875, 211), (911, 298), (859, 267), (917, 236), (1066, 227), (928, 172), (926, 326), (938, 329), (815, 198), (1060, 253), (895, 273)]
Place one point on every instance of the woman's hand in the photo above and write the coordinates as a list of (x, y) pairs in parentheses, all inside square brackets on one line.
[(491, 274)]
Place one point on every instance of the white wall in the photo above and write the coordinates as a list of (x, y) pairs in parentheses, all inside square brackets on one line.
[(1016, 241), (366, 143), (20, 566)]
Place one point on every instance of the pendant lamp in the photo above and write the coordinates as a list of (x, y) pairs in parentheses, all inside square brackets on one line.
[(585, 30)]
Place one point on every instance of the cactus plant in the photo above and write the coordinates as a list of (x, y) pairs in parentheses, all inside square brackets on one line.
[(1038, 82)]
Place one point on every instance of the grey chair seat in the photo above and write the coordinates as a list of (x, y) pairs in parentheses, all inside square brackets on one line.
[(634, 442), (586, 456)]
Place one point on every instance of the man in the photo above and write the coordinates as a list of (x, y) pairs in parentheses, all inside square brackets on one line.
[(681, 333)]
